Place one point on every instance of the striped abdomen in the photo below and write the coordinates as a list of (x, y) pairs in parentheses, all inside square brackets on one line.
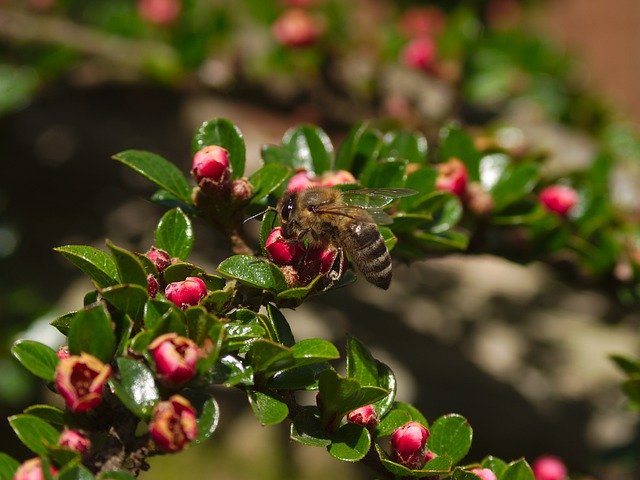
[(364, 244)]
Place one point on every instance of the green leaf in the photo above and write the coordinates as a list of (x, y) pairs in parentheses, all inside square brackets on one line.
[(518, 470), (269, 222), (495, 464), (137, 387), (130, 268), (98, 265), (161, 317), (350, 443), (312, 350), (91, 331), (268, 409), (48, 413), (450, 435), (298, 378), (626, 364), (514, 184), (391, 421), (208, 418), (216, 335), (385, 174), (34, 432), (254, 272), (8, 466), (62, 322), (267, 179), (198, 323), (414, 414), (179, 271), (128, 298), (36, 357), (410, 146), (361, 147), (75, 472), (462, 474), (223, 133), (459, 144), (435, 467), (158, 170), (267, 357), (115, 475), (175, 234), (310, 147), (306, 429), (280, 326), (230, 371)]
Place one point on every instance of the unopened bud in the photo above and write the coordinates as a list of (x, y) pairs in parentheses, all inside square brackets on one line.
[(559, 199), (175, 357), (280, 250), (408, 444), (241, 190), (159, 12), (80, 380), (365, 416), (429, 455), (339, 177), (160, 258), (152, 286), (75, 441), (173, 424), (296, 28), (187, 293), (300, 181), (548, 467), (32, 470), (420, 53), (452, 177), (484, 473), (211, 162)]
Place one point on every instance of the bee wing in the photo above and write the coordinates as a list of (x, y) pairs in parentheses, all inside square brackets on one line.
[(367, 215), (374, 198)]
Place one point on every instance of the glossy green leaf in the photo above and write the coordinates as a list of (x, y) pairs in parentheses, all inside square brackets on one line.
[(350, 443), (391, 421), (435, 467), (162, 317), (414, 414), (268, 409), (254, 272), (175, 234), (410, 146), (136, 388), (450, 240), (218, 301), (361, 147), (462, 474), (361, 365), (518, 470), (128, 298), (304, 377), (124, 328), (216, 335), (130, 269), (495, 464), (8, 466), (267, 357), (48, 413), (450, 435), (91, 331), (423, 181), (223, 133), (98, 265), (456, 143), (515, 183), (385, 174), (269, 222), (306, 429), (63, 322), (310, 147), (199, 322), (158, 170), (34, 432), (314, 349), (208, 419), (75, 472), (266, 179), (177, 272), (280, 326), (230, 371), (36, 357)]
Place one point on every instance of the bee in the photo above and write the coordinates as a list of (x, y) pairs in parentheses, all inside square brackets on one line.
[(347, 221)]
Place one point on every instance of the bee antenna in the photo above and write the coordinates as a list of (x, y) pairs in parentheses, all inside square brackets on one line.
[(255, 216)]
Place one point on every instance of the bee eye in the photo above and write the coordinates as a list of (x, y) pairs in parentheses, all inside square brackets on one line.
[(287, 208)]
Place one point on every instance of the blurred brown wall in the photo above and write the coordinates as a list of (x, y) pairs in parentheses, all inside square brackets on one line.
[(606, 34)]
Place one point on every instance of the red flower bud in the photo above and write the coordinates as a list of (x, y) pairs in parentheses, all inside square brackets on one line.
[(80, 380), (32, 470), (408, 444), (186, 293), (484, 473), (559, 199), (175, 357), (429, 455), (63, 352), (322, 258), (152, 286), (339, 177), (173, 424), (296, 28), (74, 440), (452, 177), (548, 467), (241, 190), (420, 53), (422, 21), (160, 258), (280, 250), (300, 181), (211, 162), (159, 12), (365, 416)]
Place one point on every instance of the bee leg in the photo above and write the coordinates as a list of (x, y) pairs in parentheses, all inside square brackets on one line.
[(336, 268)]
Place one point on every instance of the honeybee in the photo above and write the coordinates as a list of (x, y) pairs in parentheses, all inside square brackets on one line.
[(346, 220)]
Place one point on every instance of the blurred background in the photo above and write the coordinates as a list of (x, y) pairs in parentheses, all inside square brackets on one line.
[(517, 349)]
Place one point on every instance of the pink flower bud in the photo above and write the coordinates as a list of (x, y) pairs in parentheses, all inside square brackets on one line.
[(241, 190), (408, 444), (281, 250), (74, 440), (484, 473), (63, 352), (321, 259), (429, 455), (478, 200), (365, 416), (452, 177), (548, 467), (300, 181), (420, 53), (422, 21), (559, 199), (32, 470), (159, 12), (296, 28), (152, 286), (211, 162), (160, 258), (173, 424), (186, 293), (175, 357), (331, 179), (80, 380)]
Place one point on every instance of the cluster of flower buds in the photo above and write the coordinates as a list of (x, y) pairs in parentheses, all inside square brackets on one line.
[(80, 379), (409, 445), (173, 424), (365, 416), (421, 25), (549, 467), (559, 199), (161, 260), (304, 179), (159, 12), (32, 470)]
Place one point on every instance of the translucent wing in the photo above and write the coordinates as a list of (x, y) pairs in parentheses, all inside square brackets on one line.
[(361, 214), (374, 198)]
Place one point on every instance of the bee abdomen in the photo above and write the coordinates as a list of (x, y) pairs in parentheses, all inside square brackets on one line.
[(370, 254)]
